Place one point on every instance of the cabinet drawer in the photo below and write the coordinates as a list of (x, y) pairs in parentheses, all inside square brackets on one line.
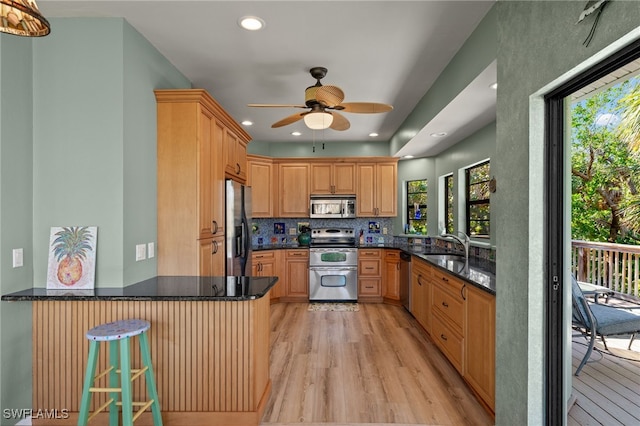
[(369, 287), (392, 254), (451, 283), (369, 267), (370, 253), (263, 255), (450, 306), (450, 342), (297, 254)]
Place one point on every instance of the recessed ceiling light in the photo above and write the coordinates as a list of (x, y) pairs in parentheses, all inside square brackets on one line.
[(296, 133), (407, 156), (439, 134), (494, 86), (247, 123), (251, 23), (373, 135)]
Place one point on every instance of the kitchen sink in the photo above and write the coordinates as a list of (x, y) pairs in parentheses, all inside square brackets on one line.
[(444, 257)]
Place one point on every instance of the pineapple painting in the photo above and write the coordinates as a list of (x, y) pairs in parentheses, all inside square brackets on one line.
[(72, 257)]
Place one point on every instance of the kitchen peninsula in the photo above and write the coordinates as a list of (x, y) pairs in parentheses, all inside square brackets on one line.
[(209, 342)]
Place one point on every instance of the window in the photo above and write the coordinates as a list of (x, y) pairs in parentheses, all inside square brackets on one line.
[(478, 205), (448, 202), (417, 207)]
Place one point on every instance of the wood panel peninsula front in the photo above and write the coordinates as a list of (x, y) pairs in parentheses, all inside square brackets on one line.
[(209, 340)]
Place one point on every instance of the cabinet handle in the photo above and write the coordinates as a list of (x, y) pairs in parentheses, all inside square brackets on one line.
[(296, 254), (368, 286), (443, 337), (445, 304), (215, 247), (419, 279), (445, 279), (260, 267), (238, 168), (462, 292), (398, 266), (369, 267), (214, 228)]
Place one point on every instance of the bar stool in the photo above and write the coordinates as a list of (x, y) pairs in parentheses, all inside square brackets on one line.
[(119, 333)]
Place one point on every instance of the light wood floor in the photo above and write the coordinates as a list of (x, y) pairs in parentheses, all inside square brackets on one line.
[(608, 389), (375, 366)]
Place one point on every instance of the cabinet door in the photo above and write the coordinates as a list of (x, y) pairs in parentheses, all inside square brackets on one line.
[(235, 154), (321, 178), (260, 179), (217, 178), (480, 336), (293, 190), (344, 178), (391, 283), (205, 175), (366, 181), (297, 264), (211, 260), (421, 293), (386, 189)]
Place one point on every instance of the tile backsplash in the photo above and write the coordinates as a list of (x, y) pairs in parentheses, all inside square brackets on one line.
[(285, 230)]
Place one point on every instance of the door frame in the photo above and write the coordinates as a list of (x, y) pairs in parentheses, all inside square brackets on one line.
[(554, 244)]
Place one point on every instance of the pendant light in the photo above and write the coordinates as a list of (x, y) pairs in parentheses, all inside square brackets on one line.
[(22, 18)]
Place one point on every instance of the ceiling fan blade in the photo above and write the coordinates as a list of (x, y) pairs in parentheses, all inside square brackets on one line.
[(364, 107), (340, 122), (288, 120), (329, 95), (276, 106)]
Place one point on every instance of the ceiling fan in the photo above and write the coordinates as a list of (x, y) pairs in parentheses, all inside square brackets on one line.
[(323, 103)]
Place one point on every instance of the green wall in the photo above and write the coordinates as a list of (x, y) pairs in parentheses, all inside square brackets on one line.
[(539, 44), (331, 149), (77, 147), (476, 148), (16, 207)]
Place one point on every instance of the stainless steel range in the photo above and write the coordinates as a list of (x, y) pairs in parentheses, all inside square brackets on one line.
[(333, 265)]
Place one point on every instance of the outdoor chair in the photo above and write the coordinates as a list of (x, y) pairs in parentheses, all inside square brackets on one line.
[(600, 320)]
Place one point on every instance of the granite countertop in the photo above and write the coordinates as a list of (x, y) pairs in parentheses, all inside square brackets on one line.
[(480, 273), (161, 288)]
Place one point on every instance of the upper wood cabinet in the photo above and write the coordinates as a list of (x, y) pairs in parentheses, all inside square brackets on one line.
[(235, 154), (293, 190), (377, 193), (261, 181), (191, 129), (333, 178)]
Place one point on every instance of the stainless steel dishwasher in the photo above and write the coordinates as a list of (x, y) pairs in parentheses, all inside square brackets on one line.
[(405, 280)]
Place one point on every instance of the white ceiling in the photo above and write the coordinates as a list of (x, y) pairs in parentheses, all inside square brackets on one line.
[(376, 51)]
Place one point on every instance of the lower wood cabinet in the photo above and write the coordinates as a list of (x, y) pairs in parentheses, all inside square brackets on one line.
[(267, 263), (370, 275), (480, 347), (421, 292), (296, 275), (391, 276)]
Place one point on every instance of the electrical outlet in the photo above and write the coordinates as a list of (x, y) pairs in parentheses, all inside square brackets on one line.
[(384, 231), (293, 231), (151, 250), (141, 252), (18, 259)]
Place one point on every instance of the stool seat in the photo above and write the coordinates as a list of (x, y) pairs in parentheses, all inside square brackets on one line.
[(118, 330)]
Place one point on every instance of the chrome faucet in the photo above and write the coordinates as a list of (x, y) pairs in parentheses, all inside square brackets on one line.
[(465, 241)]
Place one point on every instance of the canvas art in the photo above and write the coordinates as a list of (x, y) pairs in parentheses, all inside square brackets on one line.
[(72, 258)]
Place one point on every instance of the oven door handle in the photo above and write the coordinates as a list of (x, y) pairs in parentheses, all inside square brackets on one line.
[(333, 268)]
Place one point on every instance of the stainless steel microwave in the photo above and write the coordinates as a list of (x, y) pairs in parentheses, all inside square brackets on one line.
[(332, 206)]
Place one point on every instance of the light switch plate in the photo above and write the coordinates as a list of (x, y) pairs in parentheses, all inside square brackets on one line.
[(151, 250), (18, 258), (141, 252), (292, 231)]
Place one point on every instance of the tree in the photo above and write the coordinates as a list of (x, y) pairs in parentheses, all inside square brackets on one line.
[(603, 169)]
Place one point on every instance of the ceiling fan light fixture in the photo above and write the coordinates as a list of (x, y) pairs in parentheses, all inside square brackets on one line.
[(251, 23), (318, 120), (22, 18)]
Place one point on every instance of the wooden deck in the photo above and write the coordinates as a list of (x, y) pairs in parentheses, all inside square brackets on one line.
[(607, 391)]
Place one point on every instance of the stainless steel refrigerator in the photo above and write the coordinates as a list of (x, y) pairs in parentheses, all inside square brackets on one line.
[(238, 229)]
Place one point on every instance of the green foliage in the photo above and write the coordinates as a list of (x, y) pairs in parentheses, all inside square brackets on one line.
[(604, 169)]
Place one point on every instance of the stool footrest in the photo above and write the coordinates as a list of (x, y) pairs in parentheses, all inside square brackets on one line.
[(104, 373), (94, 390), (143, 407), (101, 408)]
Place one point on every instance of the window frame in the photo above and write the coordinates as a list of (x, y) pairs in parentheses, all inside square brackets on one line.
[(409, 206), (481, 202), (449, 204)]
